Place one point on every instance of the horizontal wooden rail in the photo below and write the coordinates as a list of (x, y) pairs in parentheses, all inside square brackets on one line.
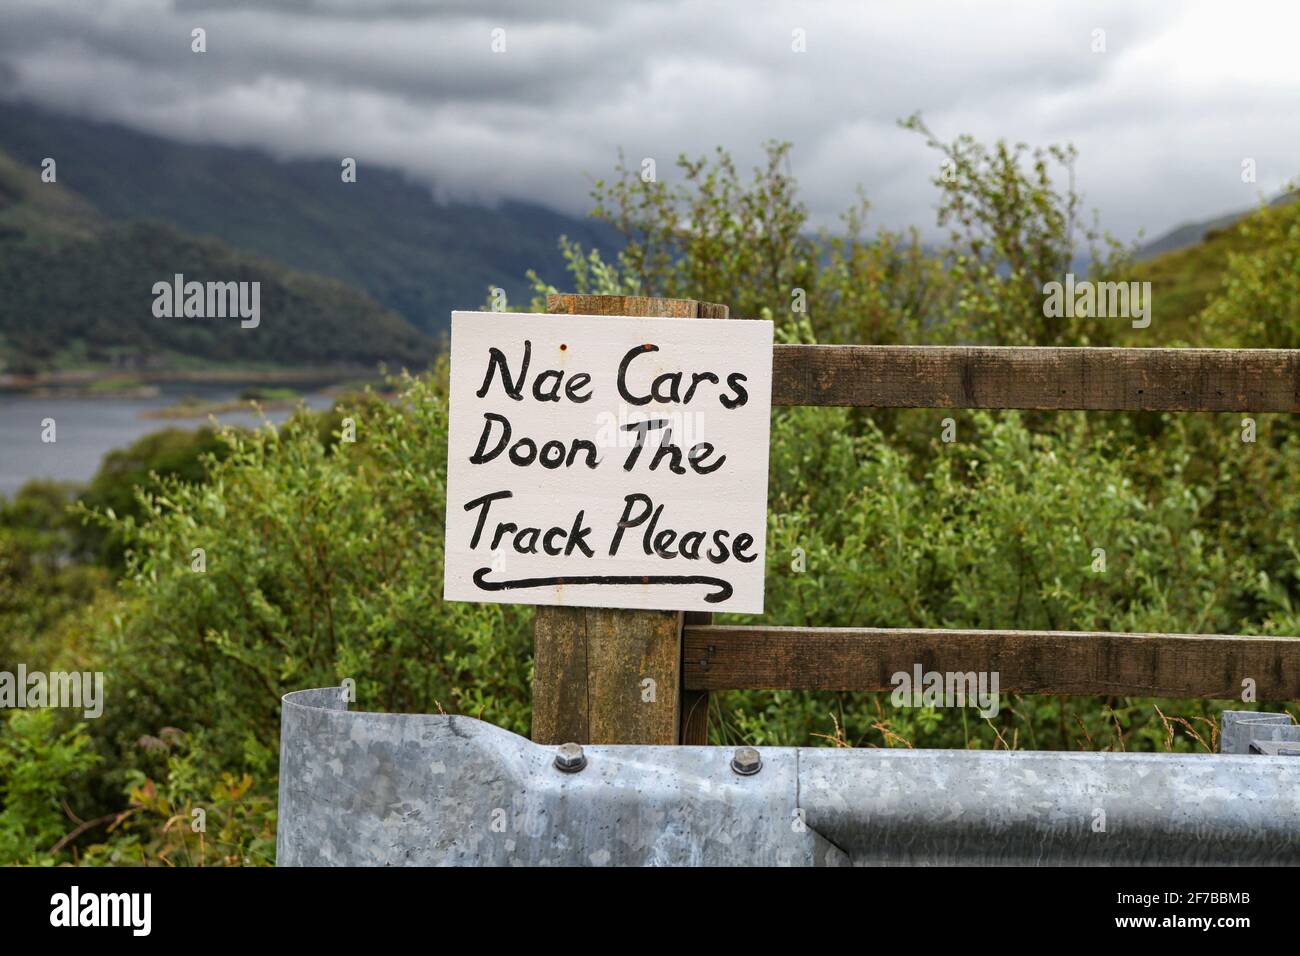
[(723, 657), (928, 376)]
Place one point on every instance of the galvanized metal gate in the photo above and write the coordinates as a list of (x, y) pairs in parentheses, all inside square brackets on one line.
[(406, 789)]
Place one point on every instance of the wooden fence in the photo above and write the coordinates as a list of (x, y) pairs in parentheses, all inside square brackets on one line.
[(591, 665)]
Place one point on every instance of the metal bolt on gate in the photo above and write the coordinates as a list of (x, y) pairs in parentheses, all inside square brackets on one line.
[(570, 758)]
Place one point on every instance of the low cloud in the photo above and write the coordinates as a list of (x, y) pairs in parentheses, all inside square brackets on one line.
[(1163, 118)]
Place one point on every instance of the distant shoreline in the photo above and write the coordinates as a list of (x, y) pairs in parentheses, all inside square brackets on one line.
[(204, 409), (96, 383)]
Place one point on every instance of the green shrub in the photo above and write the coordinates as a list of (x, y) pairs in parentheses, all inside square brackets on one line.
[(1260, 295), (38, 762), (322, 561)]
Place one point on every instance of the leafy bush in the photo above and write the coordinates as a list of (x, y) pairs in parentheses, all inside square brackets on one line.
[(170, 453), (320, 561), (1261, 287), (198, 814), (38, 762)]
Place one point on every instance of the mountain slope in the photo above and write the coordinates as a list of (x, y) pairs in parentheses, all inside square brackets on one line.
[(382, 233), (76, 288), (1192, 233), (1184, 280), (42, 214)]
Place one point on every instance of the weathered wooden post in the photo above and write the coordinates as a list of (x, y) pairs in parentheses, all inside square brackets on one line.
[(590, 664)]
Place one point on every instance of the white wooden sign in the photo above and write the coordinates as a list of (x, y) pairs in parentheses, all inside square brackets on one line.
[(599, 461)]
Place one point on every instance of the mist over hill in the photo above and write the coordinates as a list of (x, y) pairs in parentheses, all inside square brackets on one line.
[(353, 273), (383, 234)]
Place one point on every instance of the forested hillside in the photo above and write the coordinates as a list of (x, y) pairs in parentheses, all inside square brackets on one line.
[(76, 290), (383, 234)]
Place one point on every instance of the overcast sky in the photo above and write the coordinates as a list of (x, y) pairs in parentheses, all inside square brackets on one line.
[(1163, 118)]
